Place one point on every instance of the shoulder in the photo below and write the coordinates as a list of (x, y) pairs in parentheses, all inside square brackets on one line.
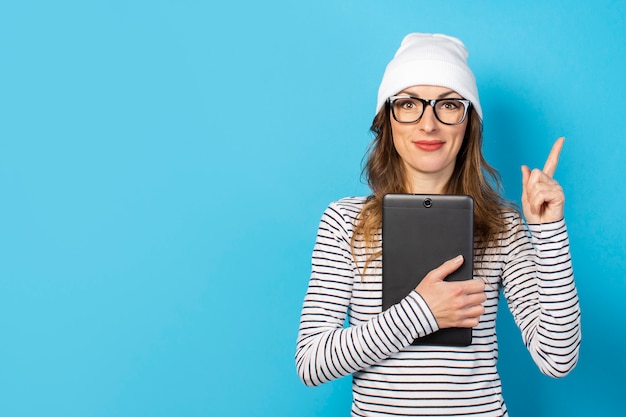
[(513, 226), (350, 206), (344, 213), (512, 218)]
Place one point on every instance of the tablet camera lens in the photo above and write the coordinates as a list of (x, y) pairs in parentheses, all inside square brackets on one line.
[(428, 203)]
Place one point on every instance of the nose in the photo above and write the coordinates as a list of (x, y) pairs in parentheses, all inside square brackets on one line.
[(428, 121)]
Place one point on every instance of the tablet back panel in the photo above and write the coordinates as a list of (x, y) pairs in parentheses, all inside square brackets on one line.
[(420, 232)]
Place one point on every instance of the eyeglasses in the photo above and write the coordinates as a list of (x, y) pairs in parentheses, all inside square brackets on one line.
[(409, 109)]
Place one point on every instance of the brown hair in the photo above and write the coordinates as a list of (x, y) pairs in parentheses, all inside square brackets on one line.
[(472, 175)]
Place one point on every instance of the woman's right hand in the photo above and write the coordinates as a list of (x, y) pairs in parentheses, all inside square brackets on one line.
[(455, 303)]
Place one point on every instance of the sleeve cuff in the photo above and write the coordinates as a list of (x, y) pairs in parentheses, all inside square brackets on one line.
[(547, 230), (421, 308)]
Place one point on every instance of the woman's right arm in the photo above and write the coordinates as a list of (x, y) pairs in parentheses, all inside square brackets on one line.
[(326, 350)]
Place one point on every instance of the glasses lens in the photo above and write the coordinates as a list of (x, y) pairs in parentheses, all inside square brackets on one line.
[(450, 111), (407, 110)]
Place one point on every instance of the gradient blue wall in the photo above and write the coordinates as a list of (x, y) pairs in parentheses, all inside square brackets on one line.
[(164, 165)]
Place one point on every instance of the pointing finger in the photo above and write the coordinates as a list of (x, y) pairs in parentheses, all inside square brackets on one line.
[(553, 159)]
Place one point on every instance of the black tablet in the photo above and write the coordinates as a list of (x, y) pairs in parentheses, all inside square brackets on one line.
[(419, 233)]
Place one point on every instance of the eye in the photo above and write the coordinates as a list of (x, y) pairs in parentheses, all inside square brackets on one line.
[(407, 104), (449, 105)]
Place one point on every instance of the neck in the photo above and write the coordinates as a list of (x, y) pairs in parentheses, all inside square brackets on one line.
[(428, 183)]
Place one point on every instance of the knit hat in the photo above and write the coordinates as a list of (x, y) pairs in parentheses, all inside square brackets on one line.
[(429, 59)]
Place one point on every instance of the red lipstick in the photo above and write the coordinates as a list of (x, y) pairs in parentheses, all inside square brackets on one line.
[(429, 145)]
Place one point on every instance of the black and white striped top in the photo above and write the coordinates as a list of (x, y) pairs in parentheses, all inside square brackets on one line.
[(391, 377)]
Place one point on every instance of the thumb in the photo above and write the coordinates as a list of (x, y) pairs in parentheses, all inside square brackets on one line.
[(445, 269), (525, 177)]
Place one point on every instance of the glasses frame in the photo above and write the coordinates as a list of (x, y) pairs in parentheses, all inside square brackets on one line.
[(429, 102)]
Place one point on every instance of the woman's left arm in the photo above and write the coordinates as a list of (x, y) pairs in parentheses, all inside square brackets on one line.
[(539, 280), (540, 291)]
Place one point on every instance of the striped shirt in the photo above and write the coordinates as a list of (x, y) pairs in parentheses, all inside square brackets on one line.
[(391, 377)]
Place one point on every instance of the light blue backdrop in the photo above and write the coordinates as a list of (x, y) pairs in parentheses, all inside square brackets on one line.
[(164, 165)]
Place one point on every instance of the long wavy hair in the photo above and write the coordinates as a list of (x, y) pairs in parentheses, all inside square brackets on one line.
[(472, 175)]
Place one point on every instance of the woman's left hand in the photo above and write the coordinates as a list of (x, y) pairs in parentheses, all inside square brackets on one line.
[(542, 196)]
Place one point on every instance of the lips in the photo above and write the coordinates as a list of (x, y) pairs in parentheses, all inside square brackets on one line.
[(429, 145)]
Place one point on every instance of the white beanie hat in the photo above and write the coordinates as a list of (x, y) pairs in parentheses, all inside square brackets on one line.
[(429, 59)]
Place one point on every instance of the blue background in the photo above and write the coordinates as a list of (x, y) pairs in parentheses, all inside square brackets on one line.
[(164, 165)]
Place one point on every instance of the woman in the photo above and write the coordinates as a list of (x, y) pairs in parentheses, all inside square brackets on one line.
[(428, 131)]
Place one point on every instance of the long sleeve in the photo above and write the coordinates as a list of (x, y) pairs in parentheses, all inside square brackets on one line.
[(327, 350), (539, 287), (390, 376)]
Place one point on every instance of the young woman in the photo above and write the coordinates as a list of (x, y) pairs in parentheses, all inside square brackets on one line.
[(428, 139)]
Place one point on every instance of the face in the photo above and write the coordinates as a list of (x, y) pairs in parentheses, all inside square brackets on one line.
[(428, 148)]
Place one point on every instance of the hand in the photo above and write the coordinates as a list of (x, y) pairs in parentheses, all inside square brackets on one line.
[(542, 196), (454, 304)]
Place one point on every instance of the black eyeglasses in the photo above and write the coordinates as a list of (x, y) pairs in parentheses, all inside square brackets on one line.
[(409, 109)]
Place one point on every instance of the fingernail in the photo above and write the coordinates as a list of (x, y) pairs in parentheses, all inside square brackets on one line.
[(458, 259)]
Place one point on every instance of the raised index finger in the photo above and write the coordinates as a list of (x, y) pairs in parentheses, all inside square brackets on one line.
[(553, 159)]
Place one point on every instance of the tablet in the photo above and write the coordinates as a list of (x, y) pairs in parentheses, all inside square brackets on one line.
[(420, 232)]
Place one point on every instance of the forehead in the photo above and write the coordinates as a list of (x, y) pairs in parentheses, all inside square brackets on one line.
[(430, 91)]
